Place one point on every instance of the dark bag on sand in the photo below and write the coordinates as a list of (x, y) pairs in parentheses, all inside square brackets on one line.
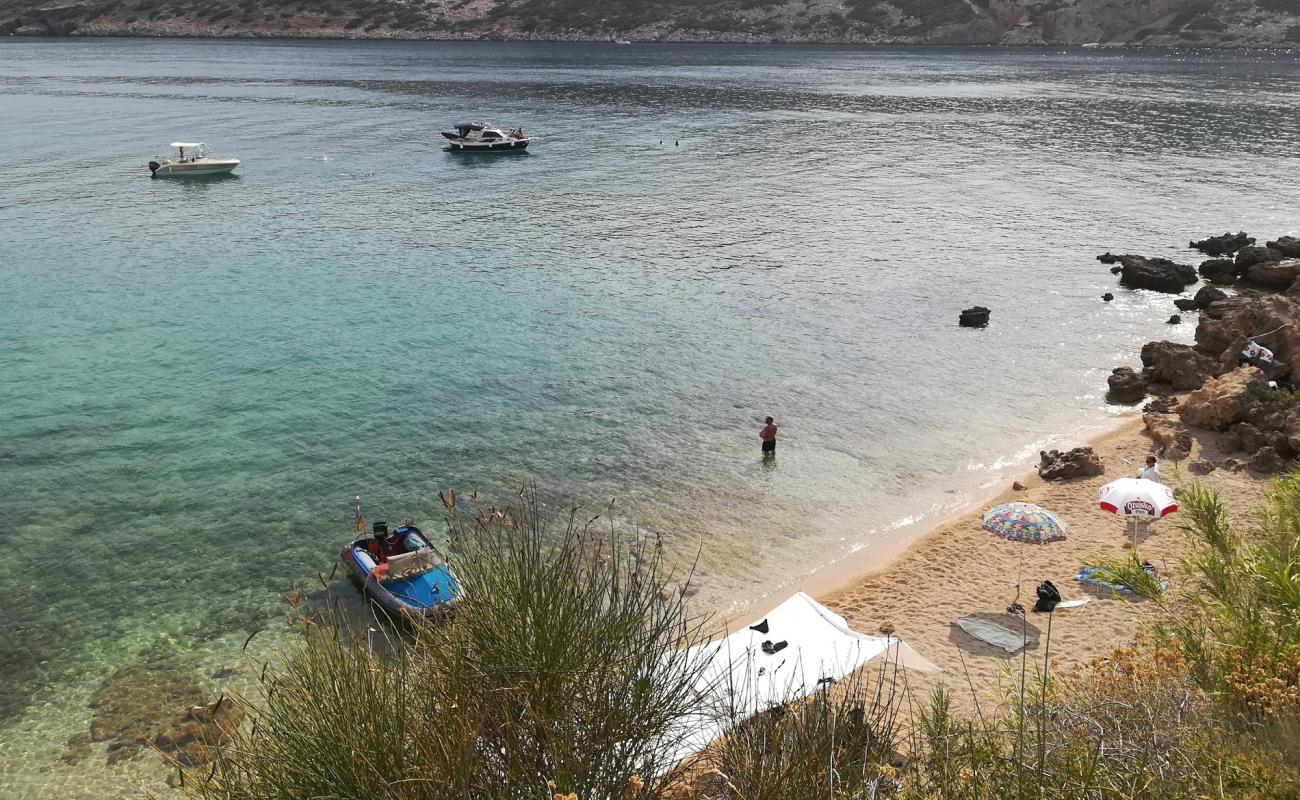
[(1048, 596)]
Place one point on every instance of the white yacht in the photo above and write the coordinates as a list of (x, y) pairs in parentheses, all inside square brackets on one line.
[(191, 161), (481, 137)]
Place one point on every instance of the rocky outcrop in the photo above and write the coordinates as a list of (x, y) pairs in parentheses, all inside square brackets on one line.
[(1227, 244), (1207, 295), (1224, 400), (1226, 324), (975, 317), (1081, 462), (1201, 467), (1288, 246), (1218, 270), (1156, 274), (1125, 386), (1179, 366), (1167, 431)]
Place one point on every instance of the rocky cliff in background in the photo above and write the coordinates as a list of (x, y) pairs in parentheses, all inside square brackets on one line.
[(1218, 23)]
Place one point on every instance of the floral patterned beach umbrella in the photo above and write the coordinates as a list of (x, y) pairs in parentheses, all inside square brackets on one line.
[(1024, 522)]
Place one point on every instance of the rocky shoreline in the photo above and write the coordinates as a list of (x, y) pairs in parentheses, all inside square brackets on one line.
[(1231, 386), (1160, 23)]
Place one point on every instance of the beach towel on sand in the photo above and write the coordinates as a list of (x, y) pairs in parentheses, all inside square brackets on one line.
[(991, 633), (1088, 575)]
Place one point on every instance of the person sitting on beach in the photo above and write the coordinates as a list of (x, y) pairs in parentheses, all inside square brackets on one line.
[(768, 437), (1151, 471)]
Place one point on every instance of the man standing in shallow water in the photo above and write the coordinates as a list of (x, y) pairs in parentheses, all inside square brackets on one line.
[(768, 436)]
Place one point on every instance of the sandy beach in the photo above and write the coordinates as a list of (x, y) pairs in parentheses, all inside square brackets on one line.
[(959, 570)]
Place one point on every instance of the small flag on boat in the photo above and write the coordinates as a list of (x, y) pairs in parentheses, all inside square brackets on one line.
[(361, 521)]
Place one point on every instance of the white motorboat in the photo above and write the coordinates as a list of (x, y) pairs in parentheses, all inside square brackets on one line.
[(192, 164), (483, 137)]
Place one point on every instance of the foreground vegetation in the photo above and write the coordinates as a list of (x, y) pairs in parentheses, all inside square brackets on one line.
[(563, 677)]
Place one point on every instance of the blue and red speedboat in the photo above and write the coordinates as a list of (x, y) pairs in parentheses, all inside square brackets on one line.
[(402, 571)]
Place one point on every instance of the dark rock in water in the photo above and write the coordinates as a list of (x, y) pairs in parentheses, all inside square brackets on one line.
[(1126, 386), (1288, 246), (1250, 256), (1107, 297), (1266, 460), (1201, 467), (193, 739), (1178, 365), (1116, 270), (1222, 245), (1107, 258), (78, 749), (1081, 462), (1218, 270), (1207, 295), (976, 317), (1174, 320), (1157, 274), (134, 702), (1276, 275), (1185, 304)]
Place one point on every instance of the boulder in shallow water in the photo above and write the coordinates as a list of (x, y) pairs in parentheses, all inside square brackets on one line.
[(1185, 304), (1125, 386), (1174, 320), (1274, 275), (1248, 257), (1218, 270), (1224, 400), (1207, 295), (1081, 462), (1107, 297), (1222, 245), (1288, 246), (974, 317), (135, 701), (1156, 274)]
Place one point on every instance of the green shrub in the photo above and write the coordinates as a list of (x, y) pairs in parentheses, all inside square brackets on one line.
[(835, 744), (1242, 639), (1132, 725), (1129, 572), (560, 673)]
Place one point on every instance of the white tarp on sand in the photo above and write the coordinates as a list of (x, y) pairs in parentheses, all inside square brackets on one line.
[(742, 679)]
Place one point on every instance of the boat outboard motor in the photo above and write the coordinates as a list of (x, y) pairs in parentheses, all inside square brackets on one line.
[(153, 169)]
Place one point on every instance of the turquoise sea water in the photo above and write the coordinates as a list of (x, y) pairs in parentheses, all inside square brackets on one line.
[(196, 378)]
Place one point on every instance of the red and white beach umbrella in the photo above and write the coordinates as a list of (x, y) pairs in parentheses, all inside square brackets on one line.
[(1137, 499)]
